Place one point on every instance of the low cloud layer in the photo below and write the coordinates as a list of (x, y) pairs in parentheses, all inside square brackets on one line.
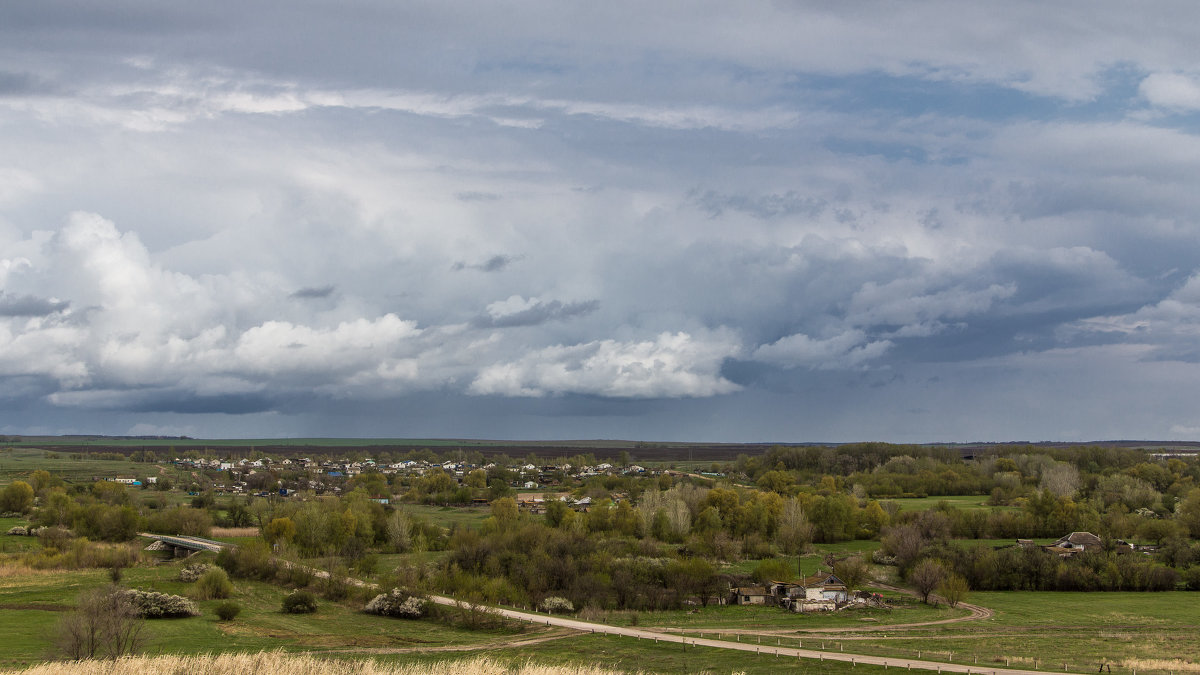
[(769, 223)]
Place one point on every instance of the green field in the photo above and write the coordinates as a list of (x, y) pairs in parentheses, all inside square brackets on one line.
[(448, 516), (31, 603), (965, 502), (20, 463)]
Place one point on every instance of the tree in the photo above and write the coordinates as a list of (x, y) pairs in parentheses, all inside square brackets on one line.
[(477, 479), (954, 589), (795, 533), (904, 542), (773, 569), (1188, 512), (926, 576), (694, 576), (104, 625), (505, 511), (777, 481), (852, 571), (17, 497), (1062, 480), (280, 530), (399, 531)]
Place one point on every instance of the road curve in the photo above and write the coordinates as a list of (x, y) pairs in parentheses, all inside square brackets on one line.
[(765, 650)]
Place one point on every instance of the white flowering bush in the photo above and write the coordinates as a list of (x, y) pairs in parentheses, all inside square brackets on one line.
[(193, 571), (398, 603), (553, 603), (19, 531), (155, 605)]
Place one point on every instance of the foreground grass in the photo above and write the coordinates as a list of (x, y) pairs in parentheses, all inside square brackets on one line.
[(279, 663)]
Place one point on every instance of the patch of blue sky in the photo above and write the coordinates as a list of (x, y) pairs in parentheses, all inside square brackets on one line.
[(914, 96)]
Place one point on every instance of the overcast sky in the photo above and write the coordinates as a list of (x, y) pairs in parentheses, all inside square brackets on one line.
[(748, 221)]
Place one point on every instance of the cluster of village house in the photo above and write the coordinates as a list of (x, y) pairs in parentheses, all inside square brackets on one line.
[(327, 475), (820, 592), (1082, 542), (824, 591)]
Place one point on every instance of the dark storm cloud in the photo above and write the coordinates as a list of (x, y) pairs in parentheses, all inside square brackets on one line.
[(495, 263), (313, 293), (473, 196), (800, 222), (536, 314), (760, 206), (28, 305), (13, 84)]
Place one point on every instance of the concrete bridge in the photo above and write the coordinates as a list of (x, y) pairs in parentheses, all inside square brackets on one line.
[(181, 546)]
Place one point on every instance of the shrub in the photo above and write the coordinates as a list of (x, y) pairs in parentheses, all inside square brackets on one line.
[(54, 537), (105, 624), (554, 604), (193, 571), (181, 520), (773, 569), (251, 560), (213, 584), (295, 574), (300, 602), (336, 586), (155, 605), (398, 603), (1192, 578), (226, 611), (19, 531)]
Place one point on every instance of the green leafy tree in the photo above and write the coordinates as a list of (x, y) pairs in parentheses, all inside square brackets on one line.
[(954, 589), (1188, 512), (280, 531), (17, 497)]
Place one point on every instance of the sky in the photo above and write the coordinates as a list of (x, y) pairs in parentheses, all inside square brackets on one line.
[(694, 221)]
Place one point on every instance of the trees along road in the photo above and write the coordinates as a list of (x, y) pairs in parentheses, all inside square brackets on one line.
[(762, 650)]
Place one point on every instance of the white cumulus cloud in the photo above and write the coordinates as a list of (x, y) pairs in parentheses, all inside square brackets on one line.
[(671, 365)]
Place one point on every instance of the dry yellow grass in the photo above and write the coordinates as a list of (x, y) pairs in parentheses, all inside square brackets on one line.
[(1171, 665), (17, 570), (235, 532), (280, 663)]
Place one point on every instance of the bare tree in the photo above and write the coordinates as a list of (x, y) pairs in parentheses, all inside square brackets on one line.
[(795, 532), (904, 542), (1061, 479), (926, 576), (852, 571), (104, 625)]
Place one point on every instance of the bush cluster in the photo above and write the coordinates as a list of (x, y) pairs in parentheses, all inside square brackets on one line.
[(554, 604), (300, 602), (19, 531), (81, 553), (213, 584), (248, 561), (226, 611), (398, 603), (155, 605), (193, 571)]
